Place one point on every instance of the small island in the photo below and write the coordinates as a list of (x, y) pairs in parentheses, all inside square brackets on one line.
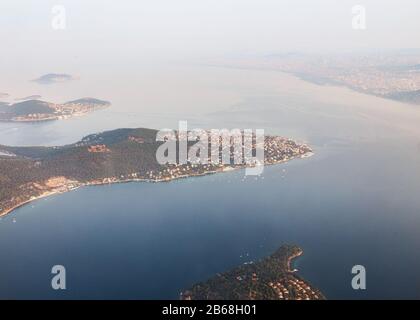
[(122, 155), (268, 279), (37, 110)]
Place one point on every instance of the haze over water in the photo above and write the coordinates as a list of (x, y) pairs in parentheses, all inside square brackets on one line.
[(354, 202)]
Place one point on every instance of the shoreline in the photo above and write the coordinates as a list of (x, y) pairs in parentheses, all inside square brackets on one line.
[(291, 258), (54, 117), (137, 180)]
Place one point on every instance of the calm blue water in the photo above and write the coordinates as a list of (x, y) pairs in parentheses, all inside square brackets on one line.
[(145, 240), (355, 202)]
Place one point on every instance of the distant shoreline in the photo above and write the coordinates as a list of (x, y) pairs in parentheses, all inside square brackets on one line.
[(291, 258), (323, 81)]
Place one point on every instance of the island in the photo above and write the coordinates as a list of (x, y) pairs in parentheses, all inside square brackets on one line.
[(52, 78), (271, 278), (121, 155), (37, 110)]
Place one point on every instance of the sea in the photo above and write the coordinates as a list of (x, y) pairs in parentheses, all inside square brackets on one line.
[(354, 202)]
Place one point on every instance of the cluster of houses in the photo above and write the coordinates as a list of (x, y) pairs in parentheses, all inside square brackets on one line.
[(293, 288), (279, 149)]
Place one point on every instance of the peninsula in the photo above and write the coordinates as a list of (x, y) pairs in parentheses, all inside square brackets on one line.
[(122, 155), (37, 110), (268, 279)]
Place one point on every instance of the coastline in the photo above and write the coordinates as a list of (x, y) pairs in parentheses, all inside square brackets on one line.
[(101, 183), (334, 83), (321, 82), (269, 278), (291, 258), (44, 195)]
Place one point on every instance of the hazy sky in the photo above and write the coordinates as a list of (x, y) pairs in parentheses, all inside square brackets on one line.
[(109, 43), (183, 28)]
